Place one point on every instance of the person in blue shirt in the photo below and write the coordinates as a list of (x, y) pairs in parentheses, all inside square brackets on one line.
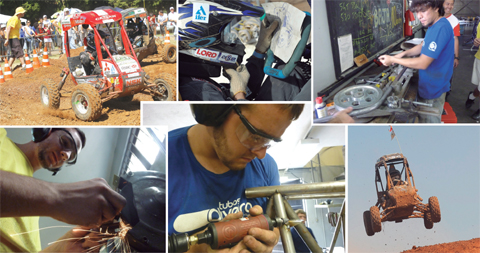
[(436, 56), (300, 245), (210, 165)]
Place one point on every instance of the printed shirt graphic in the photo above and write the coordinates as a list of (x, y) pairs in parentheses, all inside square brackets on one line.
[(198, 196), (439, 45)]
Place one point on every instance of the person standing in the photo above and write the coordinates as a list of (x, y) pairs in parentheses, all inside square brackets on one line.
[(161, 20), (300, 246), (3, 49), (475, 78), (12, 37), (436, 57)]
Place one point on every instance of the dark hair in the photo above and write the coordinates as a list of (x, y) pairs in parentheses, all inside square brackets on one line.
[(294, 109), (423, 5)]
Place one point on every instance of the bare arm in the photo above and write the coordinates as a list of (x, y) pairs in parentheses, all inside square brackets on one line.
[(416, 50), (455, 62), (7, 33), (421, 62), (87, 203)]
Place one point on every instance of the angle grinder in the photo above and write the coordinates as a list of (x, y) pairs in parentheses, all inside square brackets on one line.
[(225, 234)]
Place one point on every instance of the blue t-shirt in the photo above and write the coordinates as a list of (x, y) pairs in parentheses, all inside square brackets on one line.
[(197, 196), (438, 44), (300, 245)]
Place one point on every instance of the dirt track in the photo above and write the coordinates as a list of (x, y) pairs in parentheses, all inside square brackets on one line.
[(20, 98), (472, 245)]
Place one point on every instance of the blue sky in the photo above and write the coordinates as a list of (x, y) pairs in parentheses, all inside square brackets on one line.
[(445, 162)]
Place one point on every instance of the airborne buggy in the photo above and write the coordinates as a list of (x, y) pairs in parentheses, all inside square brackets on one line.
[(143, 41), (399, 200), (114, 72)]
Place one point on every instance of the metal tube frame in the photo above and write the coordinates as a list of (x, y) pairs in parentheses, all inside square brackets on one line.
[(278, 207)]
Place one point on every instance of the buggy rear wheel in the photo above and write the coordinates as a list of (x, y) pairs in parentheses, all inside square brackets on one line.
[(427, 220), (375, 217), (170, 53), (434, 207), (86, 102), (49, 95), (367, 222), (165, 84)]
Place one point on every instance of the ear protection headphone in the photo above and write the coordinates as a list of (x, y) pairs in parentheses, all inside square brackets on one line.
[(40, 134), (211, 114)]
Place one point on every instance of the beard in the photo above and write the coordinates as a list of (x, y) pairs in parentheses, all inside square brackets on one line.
[(43, 157), (223, 150)]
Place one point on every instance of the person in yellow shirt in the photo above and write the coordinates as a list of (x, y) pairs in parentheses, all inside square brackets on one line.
[(12, 37), (475, 78), (23, 198)]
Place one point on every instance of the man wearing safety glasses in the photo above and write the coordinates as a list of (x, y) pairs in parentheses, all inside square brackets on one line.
[(23, 198), (212, 163)]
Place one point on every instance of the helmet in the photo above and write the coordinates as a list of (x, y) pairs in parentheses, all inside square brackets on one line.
[(393, 171), (206, 41), (91, 39)]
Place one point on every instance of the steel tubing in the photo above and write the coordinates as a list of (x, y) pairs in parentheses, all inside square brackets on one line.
[(317, 196), (302, 229), (285, 233), (296, 189)]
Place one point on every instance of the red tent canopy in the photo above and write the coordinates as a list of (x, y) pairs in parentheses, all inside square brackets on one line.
[(90, 18)]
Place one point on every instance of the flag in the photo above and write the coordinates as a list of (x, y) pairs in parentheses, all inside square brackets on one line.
[(392, 133)]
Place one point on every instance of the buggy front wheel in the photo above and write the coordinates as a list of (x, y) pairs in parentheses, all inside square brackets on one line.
[(86, 102), (367, 222), (376, 220)]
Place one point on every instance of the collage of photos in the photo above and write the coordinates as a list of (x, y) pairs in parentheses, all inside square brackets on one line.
[(267, 126)]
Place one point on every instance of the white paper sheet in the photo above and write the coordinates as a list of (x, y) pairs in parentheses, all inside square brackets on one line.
[(345, 49), (286, 39)]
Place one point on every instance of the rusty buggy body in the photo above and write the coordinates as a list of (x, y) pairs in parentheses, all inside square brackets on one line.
[(398, 200)]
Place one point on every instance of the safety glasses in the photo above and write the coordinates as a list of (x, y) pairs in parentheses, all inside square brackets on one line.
[(252, 138), (68, 145)]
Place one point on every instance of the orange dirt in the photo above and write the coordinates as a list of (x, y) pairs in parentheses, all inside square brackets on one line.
[(20, 98), (459, 246)]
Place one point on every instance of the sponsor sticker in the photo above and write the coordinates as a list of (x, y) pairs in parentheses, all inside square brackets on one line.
[(215, 56), (201, 12), (133, 81)]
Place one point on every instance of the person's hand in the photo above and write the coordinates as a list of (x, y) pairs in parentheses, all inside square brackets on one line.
[(238, 80), (260, 240), (476, 42), (72, 241), (342, 116), (6, 42), (386, 60), (455, 63), (88, 203), (266, 33)]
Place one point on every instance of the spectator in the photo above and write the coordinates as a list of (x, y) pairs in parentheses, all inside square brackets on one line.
[(475, 78), (29, 37), (46, 21), (161, 20), (152, 24), (3, 49), (40, 34), (172, 18), (12, 37), (22, 34), (47, 38)]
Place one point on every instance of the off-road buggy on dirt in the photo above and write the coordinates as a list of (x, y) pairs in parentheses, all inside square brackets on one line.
[(114, 70), (143, 41), (399, 200)]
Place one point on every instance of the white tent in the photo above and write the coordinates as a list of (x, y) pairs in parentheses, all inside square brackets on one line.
[(4, 19)]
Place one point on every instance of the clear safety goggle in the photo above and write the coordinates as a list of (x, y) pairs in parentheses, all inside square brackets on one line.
[(252, 138)]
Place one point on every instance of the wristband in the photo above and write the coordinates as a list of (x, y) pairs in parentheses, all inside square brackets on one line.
[(456, 58)]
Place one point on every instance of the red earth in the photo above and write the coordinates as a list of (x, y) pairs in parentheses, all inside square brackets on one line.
[(470, 246)]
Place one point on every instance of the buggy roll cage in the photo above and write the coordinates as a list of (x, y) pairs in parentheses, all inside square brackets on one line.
[(384, 162)]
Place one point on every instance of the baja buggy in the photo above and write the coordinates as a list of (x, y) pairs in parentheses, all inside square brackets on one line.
[(111, 69), (142, 39), (399, 200)]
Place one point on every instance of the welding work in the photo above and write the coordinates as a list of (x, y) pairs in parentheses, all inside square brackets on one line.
[(128, 217), (398, 200)]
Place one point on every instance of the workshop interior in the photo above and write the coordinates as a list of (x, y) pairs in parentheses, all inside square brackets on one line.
[(133, 162), (351, 75)]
